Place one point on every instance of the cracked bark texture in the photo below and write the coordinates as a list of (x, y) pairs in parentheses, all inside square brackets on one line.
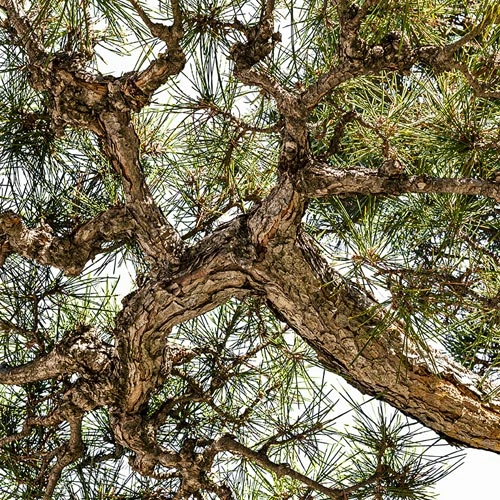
[(264, 252)]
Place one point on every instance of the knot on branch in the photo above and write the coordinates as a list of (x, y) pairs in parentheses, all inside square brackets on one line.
[(260, 42), (438, 58), (84, 346), (394, 52), (9, 221), (175, 355), (143, 463), (171, 35)]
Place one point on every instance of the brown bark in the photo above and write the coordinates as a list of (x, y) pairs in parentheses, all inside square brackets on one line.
[(263, 253), (69, 253), (339, 320), (320, 179)]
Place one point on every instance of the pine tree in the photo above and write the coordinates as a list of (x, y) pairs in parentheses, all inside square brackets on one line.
[(297, 189)]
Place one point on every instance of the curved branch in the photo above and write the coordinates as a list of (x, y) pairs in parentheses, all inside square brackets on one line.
[(166, 65), (103, 105), (340, 322), (209, 274), (260, 41), (393, 53), (154, 234), (69, 253)]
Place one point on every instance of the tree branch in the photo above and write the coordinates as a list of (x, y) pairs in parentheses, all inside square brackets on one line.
[(52, 365), (69, 253), (155, 235), (79, 350), (104, 106), (278, 216), (320, 179), (209, 274), (166, 65), (342, 324), (24, 30), (228, 443), (67, 453), (260, 41), (392, 54)]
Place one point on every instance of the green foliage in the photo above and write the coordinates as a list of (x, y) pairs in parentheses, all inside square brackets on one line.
[(209, 150), (256, 380)]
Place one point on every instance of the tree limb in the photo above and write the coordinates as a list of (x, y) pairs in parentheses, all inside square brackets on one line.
[(209, 274), (24, 30), (103, 106), (53, 364), (166, 65), (79, 350), (67, 453), (155, 235), (320, 179), (69, 253), (228, 443), (340, 322)]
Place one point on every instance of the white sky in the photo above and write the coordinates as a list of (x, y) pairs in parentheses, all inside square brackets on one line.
[(476, 479)]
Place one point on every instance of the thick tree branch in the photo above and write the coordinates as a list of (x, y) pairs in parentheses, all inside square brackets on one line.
[(208, 275), (278, 216), (261, 252), (156, 236), (69, 253), (52, 365), (320, 179), (339, 321), (192, 467), (357, 58)]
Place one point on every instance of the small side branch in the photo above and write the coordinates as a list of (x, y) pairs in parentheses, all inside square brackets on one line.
[(227, 443), (261, 39), (69, 253), (166, 65), (80, 350), (320, 180), (67, 453), (23, 29)]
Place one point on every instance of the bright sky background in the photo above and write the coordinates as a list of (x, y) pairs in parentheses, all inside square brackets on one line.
[(476, 479)]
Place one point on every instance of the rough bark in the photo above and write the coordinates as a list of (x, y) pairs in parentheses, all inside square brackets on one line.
[(263, 253), (339, 321), (320, 179), (69, 253)]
